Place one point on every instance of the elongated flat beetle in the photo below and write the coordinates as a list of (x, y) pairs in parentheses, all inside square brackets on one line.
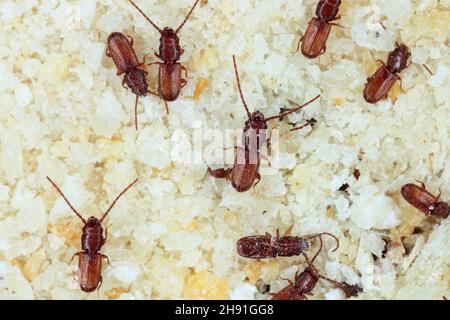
[(314, 41), (245, 171), (379, 85), (266, 246), (305, 282), (120, 49), (170, 81), (421, 199), (89, 259)]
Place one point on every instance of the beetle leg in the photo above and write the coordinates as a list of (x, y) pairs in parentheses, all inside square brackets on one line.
[(409, 64), (288, 280), (258, 177), (106, 234), (100, 282), (154, 63), (183, 83), (289, 230), (124, 84), (167, 106), (337, 24), (131, 40), (381, 61), (107, 260), (143, 62), (221, 173), (421, 184), (75, 254), (301, 127), (181, 52), (135, 113), (268, 235), (298, 45), (157, 54), (185, 70), (401, 83), (265, 158), (439, 195), (235, 147)]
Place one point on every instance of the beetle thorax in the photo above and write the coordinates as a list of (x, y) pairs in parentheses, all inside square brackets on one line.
[(398, 59), (169, 37), (440, 210), (307, 280), (327, 10), (136, 81), (169, 46), (255, 131), (92, 237)]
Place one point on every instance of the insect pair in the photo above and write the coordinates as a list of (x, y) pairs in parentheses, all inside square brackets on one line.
[(170, 81), (245, 171), (89, 259), (313, 44), (266, 246)]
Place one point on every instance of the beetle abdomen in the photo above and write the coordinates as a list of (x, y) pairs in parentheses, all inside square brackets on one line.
[(89, 272), (314, 40), (418, 197), (122, 52), (169, 86), (327, 10), (379, 85)]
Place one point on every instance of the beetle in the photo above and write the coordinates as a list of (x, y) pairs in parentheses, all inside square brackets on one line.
[(421, 199), (266, 246), (379, 85), (90, 259), (170, 81), (245, 171), (120, 49), (306, 281), (313, 42)]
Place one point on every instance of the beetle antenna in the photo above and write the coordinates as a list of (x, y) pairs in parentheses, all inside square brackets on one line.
[(282, 115), (67, 201), (319, 235), (116, 199), (187, 17), (135, 113), (318, 251), (239, 86), (350, 291), (148, 19)]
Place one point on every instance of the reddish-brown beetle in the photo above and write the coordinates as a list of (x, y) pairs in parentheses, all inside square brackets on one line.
[(266, 246), (120, 49), (379, 85), (89, 259), (306, 281), (424, 201), (170, 81), (245, 171), (314, 41)]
